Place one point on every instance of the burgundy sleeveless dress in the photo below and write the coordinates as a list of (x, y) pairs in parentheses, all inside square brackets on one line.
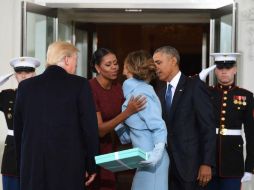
[(108, 103)]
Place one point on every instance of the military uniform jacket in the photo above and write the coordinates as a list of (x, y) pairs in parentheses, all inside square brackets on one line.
[(233, 108), (9, 163)]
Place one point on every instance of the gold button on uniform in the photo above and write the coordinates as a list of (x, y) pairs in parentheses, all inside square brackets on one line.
[(225, 98), (225, 92), (222, 126), (223, 111), (224, 104), (223, 119)]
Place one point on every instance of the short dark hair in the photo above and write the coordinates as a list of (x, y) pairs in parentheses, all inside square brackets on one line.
[(97, 57), (170, 51)]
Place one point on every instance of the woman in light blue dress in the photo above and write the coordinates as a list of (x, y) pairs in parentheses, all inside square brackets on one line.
[(145, 129)]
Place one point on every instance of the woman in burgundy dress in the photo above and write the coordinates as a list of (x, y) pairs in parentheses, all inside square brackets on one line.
[(108, 97)]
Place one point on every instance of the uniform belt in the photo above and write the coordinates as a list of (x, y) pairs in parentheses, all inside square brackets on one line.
[(233, 132), (10, 132)]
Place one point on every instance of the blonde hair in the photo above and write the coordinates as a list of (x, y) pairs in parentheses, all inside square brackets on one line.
[(58, 50), (140, 64)]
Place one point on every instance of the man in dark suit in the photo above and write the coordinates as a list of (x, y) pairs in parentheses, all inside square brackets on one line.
[(187, 111), (55, 126)]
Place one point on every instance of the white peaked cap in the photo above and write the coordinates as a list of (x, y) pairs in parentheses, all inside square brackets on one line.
[(25, 62), (225, 56)]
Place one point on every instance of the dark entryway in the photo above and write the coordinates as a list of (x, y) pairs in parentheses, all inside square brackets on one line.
[(186, 38)]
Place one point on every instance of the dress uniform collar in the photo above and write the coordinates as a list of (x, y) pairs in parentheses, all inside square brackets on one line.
[(225, 87)]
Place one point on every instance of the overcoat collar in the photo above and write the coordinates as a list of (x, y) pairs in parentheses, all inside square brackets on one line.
[(54, 68)]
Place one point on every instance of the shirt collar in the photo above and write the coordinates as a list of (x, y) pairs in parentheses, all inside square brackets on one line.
[(175, 80)]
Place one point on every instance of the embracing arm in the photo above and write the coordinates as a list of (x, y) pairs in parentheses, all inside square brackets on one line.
[(135, 104)]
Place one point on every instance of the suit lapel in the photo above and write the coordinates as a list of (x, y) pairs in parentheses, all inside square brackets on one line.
[(177, 96)]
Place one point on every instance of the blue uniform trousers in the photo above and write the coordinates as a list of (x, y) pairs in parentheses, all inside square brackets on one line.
[(218, 183), (10, 183)]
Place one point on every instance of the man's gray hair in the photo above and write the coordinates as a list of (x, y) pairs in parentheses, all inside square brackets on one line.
[(169, 50)]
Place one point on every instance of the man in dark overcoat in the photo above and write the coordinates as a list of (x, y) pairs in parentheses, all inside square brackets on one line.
[(55, 126), (187, 111)]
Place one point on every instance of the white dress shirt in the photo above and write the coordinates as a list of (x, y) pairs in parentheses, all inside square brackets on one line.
[(174, 83)]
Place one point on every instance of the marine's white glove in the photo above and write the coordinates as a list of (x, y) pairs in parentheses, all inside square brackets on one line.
[(203, 74), (154, 156), (246, 177), (4, 78)]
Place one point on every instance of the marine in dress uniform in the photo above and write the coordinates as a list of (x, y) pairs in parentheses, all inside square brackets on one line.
[(23, 67), (233, 107)]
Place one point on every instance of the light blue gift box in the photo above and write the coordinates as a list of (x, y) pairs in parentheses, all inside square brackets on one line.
[(121, 160)]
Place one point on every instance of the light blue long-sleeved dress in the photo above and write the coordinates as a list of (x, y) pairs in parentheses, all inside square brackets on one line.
[(145, 129)]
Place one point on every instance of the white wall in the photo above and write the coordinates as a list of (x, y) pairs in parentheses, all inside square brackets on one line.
[(246, 43), (246, 47), (7, 38)]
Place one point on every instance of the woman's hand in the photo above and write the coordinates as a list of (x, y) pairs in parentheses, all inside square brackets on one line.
[(136, 104)]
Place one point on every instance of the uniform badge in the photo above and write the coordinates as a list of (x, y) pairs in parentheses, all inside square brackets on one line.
[(9, 115), (235, 98), (244, 100), (240, 100)]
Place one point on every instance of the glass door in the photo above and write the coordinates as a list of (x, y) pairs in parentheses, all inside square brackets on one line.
[(222, 32), (86, 42), (39, 29)]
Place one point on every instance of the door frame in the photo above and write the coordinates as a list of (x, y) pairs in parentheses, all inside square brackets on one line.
[(38, 9)]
